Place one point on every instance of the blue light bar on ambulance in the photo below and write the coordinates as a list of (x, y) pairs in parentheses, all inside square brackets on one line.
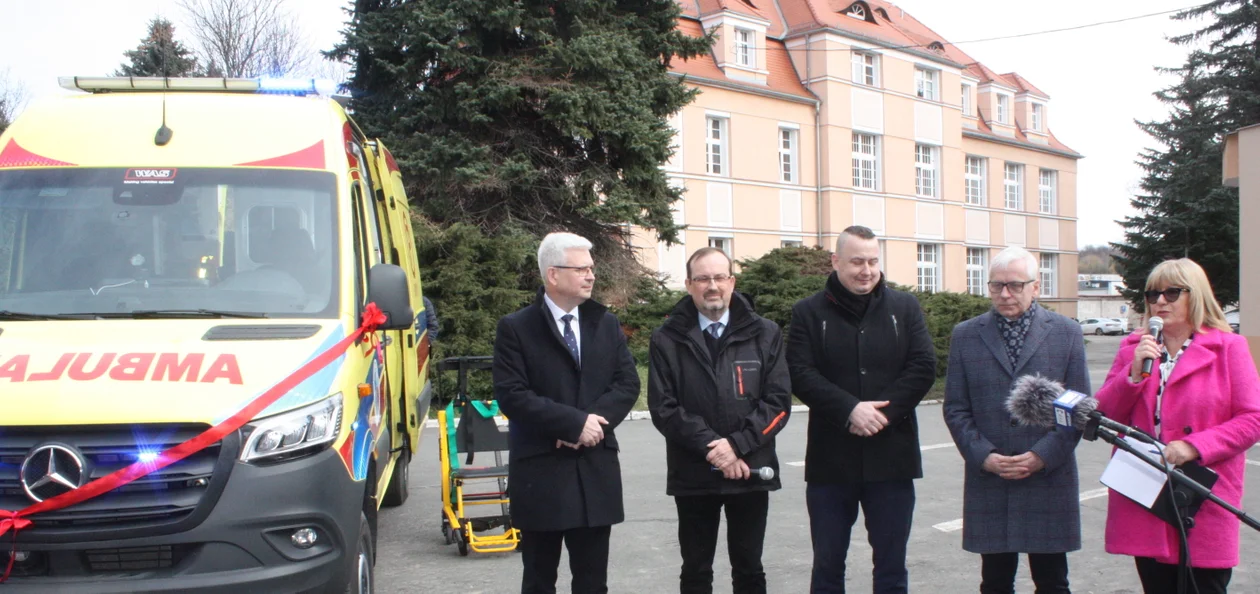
[(105, 84)]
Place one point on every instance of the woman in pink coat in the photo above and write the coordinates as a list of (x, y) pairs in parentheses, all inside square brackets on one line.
[(1202, 398)]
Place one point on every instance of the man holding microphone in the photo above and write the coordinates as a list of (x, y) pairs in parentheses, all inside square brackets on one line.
[(719, 391)]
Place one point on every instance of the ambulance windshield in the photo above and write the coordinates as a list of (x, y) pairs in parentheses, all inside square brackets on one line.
[(80, 240)]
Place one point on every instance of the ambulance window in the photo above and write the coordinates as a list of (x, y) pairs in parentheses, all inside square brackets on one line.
[(368, 201)]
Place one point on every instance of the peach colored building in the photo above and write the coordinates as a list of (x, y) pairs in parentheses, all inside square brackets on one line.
[(814, 115), (1242, 151)]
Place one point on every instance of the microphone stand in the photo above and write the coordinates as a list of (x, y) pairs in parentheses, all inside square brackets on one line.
[(1174, 474), (1182, 502)]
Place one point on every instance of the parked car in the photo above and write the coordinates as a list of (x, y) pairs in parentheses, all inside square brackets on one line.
[(1101, 326), (1231, 316), (1124, 324)]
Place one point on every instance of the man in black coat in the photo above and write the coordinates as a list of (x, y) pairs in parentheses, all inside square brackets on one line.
[(564, 378), (861, 358), (719, 392)]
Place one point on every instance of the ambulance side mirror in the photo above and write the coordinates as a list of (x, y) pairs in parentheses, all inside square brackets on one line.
[(387, 287)]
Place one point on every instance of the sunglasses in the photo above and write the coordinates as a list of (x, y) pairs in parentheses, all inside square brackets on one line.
[(1170, 294)]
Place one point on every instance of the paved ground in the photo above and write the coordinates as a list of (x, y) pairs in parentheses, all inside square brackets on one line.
[(645, 556)]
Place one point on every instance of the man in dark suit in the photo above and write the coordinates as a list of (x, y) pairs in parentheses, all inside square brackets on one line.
[(861, 358), (1021, 493), (719, 392), (565, 378)]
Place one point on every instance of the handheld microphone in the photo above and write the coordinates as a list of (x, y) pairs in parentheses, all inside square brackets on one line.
[(1037, 401), (764, 473), (1156, 327)]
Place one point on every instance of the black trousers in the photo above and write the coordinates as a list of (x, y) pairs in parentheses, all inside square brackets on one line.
[(1161, 578), (698, 520), (588, 559), (1049, 573), (888, 507)]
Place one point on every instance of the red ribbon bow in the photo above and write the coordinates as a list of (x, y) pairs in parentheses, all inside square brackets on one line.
[(10, 519)]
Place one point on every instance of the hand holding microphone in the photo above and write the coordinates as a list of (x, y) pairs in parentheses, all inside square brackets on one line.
[(1147, 350), (740, 471)]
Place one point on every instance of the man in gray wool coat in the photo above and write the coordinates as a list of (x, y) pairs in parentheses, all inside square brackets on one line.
[(1021, 493)]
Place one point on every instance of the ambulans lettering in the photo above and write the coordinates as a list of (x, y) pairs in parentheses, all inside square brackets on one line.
[(125, 367)]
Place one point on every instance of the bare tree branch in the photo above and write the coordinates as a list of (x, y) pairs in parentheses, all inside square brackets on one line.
[(246, 38), (12, 99)]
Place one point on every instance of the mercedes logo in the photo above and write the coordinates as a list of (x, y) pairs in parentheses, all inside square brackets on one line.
[(50, 470)]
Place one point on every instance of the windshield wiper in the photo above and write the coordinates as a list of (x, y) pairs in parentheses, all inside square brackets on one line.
[(182, 313), (27, 316)]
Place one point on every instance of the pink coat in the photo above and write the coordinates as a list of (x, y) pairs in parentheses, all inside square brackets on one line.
[(1212, 401)]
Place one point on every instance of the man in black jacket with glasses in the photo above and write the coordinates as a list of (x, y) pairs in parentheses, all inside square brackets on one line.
[(861, 358), (719, 392)]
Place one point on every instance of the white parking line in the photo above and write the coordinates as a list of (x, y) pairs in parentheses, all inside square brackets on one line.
[(801, 463), (1253, 463), (955, 525), (950, 526), (1094, 494)]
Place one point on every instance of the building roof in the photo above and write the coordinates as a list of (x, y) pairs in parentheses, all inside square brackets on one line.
[(782, 78), (984, 132)]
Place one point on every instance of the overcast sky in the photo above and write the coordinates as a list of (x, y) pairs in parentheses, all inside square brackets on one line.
[(1099, 79)]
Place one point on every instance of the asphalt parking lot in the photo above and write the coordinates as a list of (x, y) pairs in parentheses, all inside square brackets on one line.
[(413, 558)]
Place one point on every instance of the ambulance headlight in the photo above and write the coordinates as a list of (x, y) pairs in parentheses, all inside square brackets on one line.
[(293, 434)]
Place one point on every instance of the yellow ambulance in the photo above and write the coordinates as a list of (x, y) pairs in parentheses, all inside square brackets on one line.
[(171, 251)]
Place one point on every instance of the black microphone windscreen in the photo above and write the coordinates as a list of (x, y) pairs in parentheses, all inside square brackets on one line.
[(1032, 400)]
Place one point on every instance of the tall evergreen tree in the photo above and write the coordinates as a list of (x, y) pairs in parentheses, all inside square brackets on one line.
[(159, 54), (549, 114), (1185, 210)]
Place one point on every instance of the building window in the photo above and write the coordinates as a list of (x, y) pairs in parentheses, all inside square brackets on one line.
[(787, 156), (1047, 190), (974, 180), (1038, 115), (925, 170), (1049, 272), (966, 99), (744, 48), (925, 83), (865, 161), (1004, 109), (1013, 182), (865, 69), (726, 244), (929, 258), (977, 270), (715, 140), (791, 243)]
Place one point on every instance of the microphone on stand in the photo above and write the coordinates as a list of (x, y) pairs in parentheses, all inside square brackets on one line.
[(1156, 327), (1037, 401)]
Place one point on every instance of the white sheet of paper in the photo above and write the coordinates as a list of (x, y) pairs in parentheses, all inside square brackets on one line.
[(1130, 476)]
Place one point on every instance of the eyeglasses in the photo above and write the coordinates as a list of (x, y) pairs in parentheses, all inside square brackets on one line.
[(1016, 287), (1170, 294), (717, 278), (581, 270)]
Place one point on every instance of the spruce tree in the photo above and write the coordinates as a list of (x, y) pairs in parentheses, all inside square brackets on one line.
[(159, 54), (1184, 209), (547, 114)]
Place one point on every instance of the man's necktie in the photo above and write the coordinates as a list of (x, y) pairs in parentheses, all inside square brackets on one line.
[(711, 339), (570, 339), (715, 329)]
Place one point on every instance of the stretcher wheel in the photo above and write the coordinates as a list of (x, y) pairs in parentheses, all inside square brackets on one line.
[(447, 533), (462, 540)]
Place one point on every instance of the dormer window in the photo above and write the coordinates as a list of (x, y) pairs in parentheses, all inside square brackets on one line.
[(1038, 117), (744, 48), (1004, 109), (937, 47), (857, 11)]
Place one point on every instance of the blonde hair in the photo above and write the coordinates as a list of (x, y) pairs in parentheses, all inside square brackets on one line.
[(1187, 274)]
